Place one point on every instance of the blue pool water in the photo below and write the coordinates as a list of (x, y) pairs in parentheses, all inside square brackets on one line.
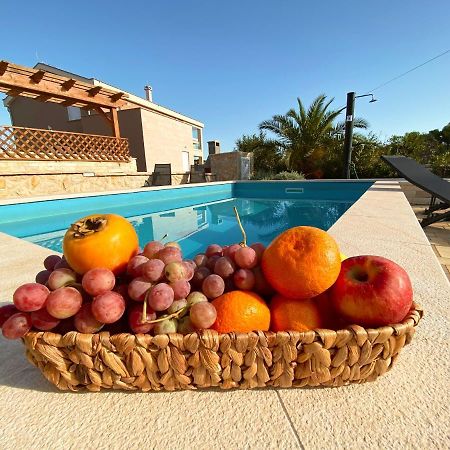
[(195, 216)]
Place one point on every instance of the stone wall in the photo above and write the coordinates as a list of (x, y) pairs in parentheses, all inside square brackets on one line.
[(15, 167), (227, 166), (18, 186)]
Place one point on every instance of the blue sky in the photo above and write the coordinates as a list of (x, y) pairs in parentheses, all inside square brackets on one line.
[(233, 64)]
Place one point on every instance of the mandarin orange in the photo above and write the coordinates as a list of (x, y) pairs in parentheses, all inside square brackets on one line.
[(289, 314), (241, 312), (302, 262)]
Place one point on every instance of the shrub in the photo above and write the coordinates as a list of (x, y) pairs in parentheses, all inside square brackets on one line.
[(285, 175)]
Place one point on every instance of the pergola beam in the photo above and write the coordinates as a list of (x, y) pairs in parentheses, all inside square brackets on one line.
[(68, 84), (37, 76), (34, 83), (3, 67)]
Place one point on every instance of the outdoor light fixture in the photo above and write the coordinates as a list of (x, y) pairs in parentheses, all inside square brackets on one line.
[(349, 116)]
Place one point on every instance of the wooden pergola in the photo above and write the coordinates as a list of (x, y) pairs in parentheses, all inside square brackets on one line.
[(20, 81)]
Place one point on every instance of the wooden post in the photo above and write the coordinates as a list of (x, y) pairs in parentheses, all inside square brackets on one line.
[(115, 123)]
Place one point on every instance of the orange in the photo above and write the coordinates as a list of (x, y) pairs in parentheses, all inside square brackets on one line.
[(302, 262), (241, 312), (295, 315), (100, 240)]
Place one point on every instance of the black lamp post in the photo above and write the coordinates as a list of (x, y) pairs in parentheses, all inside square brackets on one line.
[(349, 116)]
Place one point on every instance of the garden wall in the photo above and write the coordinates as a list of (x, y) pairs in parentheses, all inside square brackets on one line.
[(18, 186)]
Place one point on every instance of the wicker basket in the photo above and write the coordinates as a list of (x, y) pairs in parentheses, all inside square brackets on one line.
[(199, 360)]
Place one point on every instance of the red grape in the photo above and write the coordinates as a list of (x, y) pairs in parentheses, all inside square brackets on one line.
[(169, 254), (213, 286), (17, 326), (199, 275), (246, 258), (175, 271), (224, 267), (196, 297), (244, 279), (30, 297), (161, 296), (108, 307), (42, 277), (231, 251), (173, 244), (190, 267), (166, 326), (152, 248), (213, 249), (181, 289), (85, 322), (203, 315), (137, 289), (262, 286), (51, 261), (98, 281), (43, 321), (60, 278), (177, 305), (259, 249), (212, 262), (135, 319), (63, 264), (201, 260), (153, 270), (134, 268), (64, 302), (6, 311)]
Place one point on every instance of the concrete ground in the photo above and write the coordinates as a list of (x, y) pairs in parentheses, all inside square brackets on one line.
[(439, 236), (406, 408)]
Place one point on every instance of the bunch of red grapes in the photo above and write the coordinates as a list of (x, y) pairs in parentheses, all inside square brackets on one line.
[(176, 292)]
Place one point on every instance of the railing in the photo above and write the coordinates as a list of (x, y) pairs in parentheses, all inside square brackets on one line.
[(31, 144)]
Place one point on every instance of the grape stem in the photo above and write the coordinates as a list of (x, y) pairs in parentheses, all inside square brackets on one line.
[(161, 319), (244, 242)]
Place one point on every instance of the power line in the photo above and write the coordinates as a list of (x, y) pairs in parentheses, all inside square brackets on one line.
[(409, 71)]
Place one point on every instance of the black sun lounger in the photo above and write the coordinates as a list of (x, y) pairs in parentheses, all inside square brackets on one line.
[(420, 176), (162, 175)]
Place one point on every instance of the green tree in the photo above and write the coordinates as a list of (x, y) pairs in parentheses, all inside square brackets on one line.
[(304, 135), (267, 155)]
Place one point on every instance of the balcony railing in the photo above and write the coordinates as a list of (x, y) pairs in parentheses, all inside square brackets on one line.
[(31, 144)]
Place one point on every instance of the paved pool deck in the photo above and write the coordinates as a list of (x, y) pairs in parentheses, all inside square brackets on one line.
[(406, 408)]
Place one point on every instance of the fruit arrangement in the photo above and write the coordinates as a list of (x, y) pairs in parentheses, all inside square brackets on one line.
[(105, 283)]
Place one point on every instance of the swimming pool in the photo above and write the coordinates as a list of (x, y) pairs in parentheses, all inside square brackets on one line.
[(195, 216)]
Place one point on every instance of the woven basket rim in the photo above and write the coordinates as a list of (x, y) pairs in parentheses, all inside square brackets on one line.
[(411, 320)]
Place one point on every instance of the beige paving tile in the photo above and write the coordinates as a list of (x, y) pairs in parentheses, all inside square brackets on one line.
[(44, 418), (443, 251)]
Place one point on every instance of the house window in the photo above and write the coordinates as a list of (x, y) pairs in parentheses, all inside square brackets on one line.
[(196, 134), (197, 160), (73, 113)]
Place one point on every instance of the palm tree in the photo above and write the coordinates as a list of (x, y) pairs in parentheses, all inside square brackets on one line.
[(303, 132)]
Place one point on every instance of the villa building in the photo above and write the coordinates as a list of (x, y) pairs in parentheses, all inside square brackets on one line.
[(155, 134)]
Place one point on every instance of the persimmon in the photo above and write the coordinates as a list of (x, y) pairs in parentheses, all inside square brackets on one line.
[(100, 240)]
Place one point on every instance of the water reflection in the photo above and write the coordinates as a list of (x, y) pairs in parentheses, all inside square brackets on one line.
[(196, 227)]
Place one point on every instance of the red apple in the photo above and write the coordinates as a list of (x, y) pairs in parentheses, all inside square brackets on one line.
[(372, 291)]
